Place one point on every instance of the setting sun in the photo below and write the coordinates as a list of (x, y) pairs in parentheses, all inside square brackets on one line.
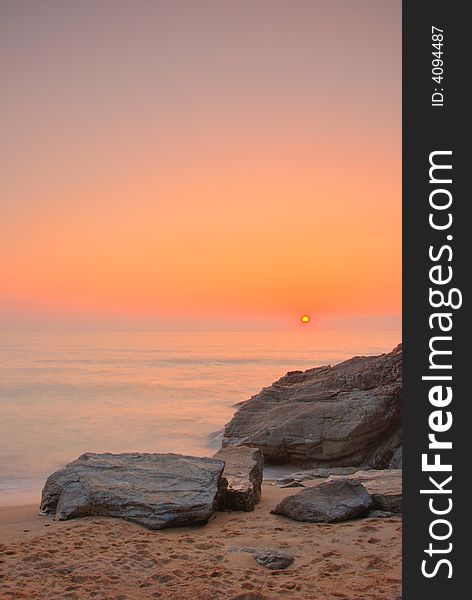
[(305, 319)]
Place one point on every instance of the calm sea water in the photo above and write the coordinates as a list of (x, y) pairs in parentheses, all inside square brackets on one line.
[(63, 395)]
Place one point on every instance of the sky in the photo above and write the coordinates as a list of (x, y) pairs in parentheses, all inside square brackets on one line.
[(212, 164)]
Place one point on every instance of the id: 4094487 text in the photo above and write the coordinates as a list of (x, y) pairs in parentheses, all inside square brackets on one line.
[(437, 66)]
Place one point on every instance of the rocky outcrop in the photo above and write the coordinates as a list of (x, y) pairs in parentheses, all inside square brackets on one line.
[(346, 415), (327, 502), (154, 490), (384, 486), (243, 472)]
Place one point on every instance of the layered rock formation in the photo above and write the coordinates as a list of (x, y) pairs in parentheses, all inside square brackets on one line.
[(154, 490), (243, 472), (346, 415)]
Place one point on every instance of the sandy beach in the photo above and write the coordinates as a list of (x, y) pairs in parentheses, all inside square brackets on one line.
[(110, 558)]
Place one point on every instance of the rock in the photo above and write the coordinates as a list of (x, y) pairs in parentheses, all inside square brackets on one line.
[(274, 559), (154, 490), (396, 462), (385, 487), (346, 415), (243, 471), (394, 508), (327, 502), (321, 473)]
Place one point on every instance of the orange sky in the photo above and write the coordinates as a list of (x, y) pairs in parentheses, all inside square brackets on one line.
[(189, 161)]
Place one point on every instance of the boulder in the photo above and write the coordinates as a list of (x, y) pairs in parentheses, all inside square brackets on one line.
[(328, 502), (153, 490), (243, 472), (385, 487), (346, 415)]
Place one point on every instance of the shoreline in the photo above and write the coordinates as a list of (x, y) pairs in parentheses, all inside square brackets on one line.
[(101, 557), (29, 497)]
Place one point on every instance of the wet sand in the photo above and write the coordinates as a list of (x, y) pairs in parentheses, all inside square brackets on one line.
[(108, 558)]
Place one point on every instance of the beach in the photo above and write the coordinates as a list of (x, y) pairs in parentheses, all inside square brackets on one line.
[(201, 298), (97, 557)]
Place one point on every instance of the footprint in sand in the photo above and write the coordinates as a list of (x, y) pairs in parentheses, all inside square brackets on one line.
[(368, 528), (330, 554), (207, 546), (162, 578), (375, 563)]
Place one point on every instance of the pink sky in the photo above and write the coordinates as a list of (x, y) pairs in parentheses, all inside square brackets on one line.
[(178, 162)]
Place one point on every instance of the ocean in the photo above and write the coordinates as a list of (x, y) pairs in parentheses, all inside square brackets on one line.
[(62, 395)]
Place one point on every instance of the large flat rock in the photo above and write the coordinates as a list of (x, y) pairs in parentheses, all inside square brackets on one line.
[(346, 415), (244, 472), (385, 487), (154, 490), (328, 502)]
